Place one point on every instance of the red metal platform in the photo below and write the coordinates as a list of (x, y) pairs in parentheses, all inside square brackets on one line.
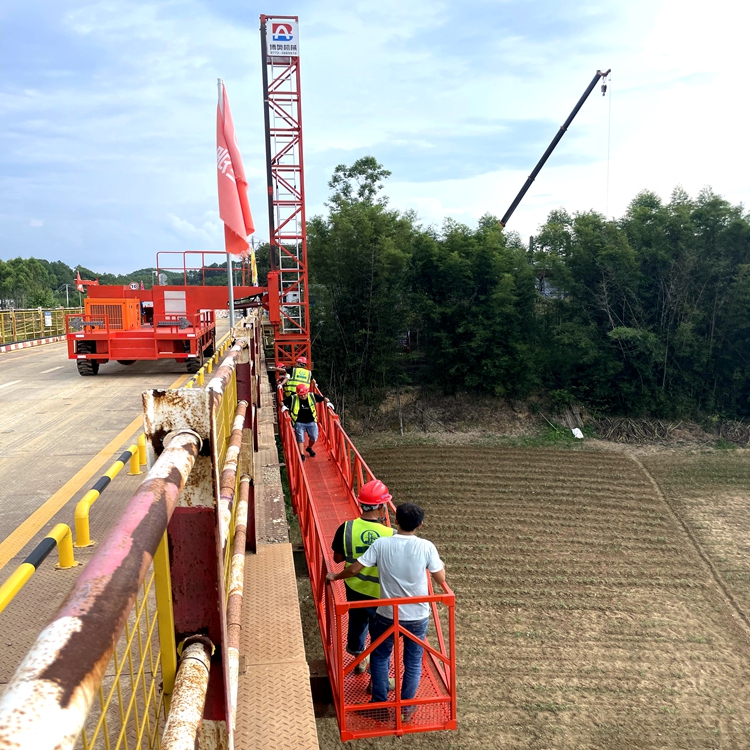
[(323, 493)]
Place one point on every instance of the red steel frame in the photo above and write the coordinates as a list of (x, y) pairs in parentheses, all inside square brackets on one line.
[(195, 329), (286, 202), (439, 661)]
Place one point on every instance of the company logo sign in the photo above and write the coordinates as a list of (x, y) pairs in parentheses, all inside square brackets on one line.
[(369, 536), (282, 39), (282, 32)]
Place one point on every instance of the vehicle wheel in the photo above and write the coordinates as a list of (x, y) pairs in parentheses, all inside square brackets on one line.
[(193, 365), (125, 361), (87, 367)]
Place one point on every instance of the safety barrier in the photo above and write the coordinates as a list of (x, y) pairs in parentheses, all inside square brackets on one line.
[(24, 325), (102, 673), (83, 530), (199, 378), (435, 706), (60, 537)]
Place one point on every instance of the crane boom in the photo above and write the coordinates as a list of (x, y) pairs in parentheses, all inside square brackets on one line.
[(560, 133)]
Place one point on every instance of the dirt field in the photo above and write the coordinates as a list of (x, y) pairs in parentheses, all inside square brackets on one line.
[(601, 597)]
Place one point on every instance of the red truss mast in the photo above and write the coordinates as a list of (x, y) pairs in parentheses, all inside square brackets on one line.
[(287, 281)]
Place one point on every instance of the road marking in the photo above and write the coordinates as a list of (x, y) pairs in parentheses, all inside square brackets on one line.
[(26, 531), (52, 369), (12, 382)]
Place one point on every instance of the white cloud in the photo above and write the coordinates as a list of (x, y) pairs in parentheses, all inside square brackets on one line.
[(36, 223)]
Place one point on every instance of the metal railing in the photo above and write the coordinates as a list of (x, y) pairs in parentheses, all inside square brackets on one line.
[(121, 592), (83, 529), (435, 709), (25, 325), (110, 652), (60, 537)]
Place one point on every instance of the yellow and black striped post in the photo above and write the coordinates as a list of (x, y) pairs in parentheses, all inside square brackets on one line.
[(60, 537), (83, 530)]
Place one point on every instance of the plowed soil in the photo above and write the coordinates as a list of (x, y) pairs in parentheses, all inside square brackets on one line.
[(602, 602)]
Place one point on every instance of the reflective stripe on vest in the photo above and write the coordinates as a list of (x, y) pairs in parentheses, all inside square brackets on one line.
[(299, 375), (296, 402), (359, 534)]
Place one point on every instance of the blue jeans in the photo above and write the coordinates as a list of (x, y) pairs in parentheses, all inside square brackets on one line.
[(311, 428), (360, 622), (380, 659)]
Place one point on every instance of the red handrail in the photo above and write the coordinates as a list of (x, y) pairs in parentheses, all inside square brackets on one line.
[(332, 607)]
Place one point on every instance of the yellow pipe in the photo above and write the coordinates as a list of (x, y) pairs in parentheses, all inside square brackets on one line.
[(190, 384), (142, 449), (201, 377), (115, 469), (15, 583), (165, 613), (83, 538), (210, 365), (64, 538), (135, 461)]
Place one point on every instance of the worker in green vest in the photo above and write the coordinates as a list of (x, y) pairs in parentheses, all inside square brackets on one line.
[(351, 540), (303, 411), (299, 374)]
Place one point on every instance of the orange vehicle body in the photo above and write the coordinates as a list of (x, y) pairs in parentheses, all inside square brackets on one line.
[(166, 322)]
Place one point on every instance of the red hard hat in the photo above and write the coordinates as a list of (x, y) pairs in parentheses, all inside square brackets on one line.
[(302, 390), (301, 360), (374, 493)]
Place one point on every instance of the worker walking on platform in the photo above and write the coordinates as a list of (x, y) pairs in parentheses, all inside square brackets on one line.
[(401, 560), (302, 410), (299, 375), (351, 540)]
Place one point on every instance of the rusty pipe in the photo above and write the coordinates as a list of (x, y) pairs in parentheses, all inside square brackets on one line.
[(48, 698), (189, 696), (218, 383), (228, 480), (236, 586)]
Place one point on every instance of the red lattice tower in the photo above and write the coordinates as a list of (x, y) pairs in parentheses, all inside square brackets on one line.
[(287, 280)]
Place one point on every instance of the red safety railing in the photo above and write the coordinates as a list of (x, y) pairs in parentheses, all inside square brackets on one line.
[(435, 702)]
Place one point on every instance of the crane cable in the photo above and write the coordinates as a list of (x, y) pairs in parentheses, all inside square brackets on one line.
[(609, 139)]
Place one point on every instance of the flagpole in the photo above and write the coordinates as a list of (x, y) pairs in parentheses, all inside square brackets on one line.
[(230, 280)]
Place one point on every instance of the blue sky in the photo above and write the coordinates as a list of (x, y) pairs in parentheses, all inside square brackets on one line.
[(107, 111)]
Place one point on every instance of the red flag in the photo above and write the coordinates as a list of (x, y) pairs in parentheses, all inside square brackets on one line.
[(234, 208), (79, 284)]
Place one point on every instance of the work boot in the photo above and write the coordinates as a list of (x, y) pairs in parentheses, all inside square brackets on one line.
[(391, 685), (361, 668), (310, 451)]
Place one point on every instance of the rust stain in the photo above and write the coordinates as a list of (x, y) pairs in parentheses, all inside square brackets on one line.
[(102, 603)]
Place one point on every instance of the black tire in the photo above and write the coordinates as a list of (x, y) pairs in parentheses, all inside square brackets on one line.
[(87, 367), (193, 365), (126, 362)]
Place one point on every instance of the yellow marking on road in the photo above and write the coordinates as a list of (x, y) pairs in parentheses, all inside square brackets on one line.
[(22, 535)]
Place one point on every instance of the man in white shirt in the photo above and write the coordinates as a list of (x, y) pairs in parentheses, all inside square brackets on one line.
[(401, 560)]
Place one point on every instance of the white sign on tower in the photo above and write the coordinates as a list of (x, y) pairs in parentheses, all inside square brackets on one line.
[(282, 38)]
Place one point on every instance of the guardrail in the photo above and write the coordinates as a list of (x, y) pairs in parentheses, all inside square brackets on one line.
[(116, 592), (357, 717), (83, 529), (24, 325), (60, 537), (199, 378)]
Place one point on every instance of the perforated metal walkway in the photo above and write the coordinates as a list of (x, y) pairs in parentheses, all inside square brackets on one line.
[(333, 508)]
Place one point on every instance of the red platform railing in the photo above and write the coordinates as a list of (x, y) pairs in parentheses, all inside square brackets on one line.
[(435, 702)]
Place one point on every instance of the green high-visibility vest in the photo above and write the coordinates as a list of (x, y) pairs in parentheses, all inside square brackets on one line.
[(299, 375), (358, 536), (296, 401)]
